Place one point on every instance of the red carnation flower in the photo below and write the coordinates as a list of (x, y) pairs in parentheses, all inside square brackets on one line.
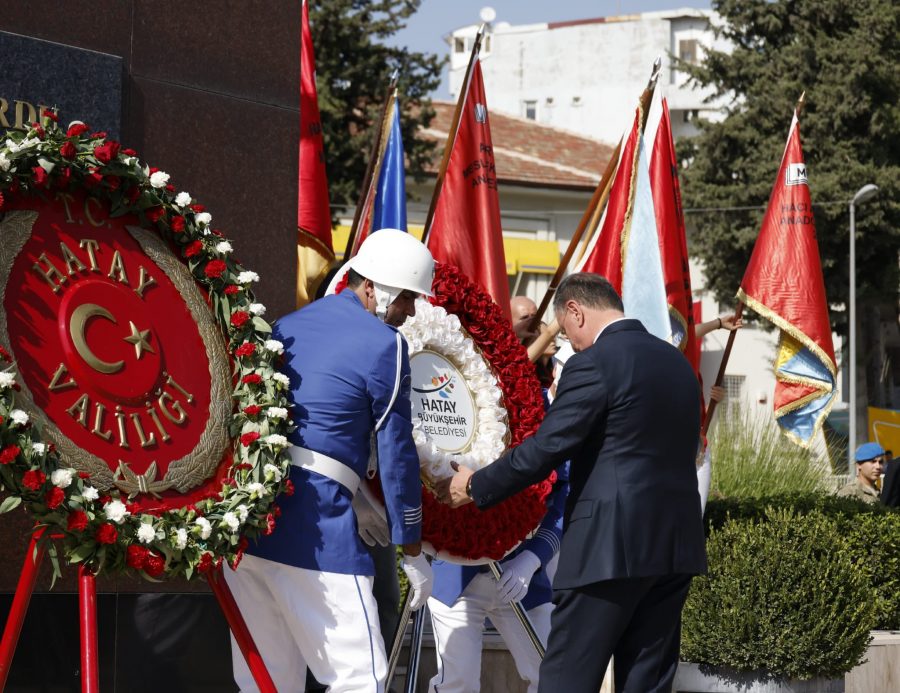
[(270, 524), (232, 289), (155, 565), (93, 178), (198, 208), (9, 453), (76, 129), (135, 555), (68, 151), (84, 475), (216, 232), (249, 438), (289, 488), (245, 349), (170, 187), (176, 223), (276, 511), (252, 409), (239, 318), (99, 135), (40, 176), (107, 151), (78, 521), (154, 214), (38, 129), (214, 269), (55, 496), (4, 354), (193, 249), (252, 379), (50, 115), (242, 546), (129, 152), (206, 563), (106, 534), (33, 479)]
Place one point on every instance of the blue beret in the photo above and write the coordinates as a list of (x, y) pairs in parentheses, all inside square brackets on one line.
[(868, 451)]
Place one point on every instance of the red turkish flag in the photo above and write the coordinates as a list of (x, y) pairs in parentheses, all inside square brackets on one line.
[(783, 282), (605, 257), (466, 229), (315, 252), (672, 239)]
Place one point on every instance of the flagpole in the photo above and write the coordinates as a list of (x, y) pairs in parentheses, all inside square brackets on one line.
[(720, 377), (591, 213), (375, 160), (451, 136)]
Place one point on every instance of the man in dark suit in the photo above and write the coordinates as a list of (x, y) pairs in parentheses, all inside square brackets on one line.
[(626, 415), (890, 487)]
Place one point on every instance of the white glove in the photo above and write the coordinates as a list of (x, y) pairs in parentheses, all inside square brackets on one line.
[(516, 576), (421, 579), (372, 527)]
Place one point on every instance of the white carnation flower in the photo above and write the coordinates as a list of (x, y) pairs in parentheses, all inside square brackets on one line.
[(5, 163), (270, 470), (231, 521), (257, 309), (90, 493), (276, 412), (183, 199), (146, 533), (7, 379), (274, 346), (18, 417), (223, 247), (180, 539), (159, 179), (48, 166), (247, 276), (116, 511), (39, 448), (203, 218), (281, 378), (243, 511), (62, 478), (255, 489), (205, 527), (276, 440)]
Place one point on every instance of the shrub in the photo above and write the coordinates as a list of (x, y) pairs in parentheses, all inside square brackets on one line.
[(784, 595), (752, 458), (872, 533)]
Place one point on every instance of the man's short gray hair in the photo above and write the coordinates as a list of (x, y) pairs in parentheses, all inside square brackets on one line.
[(588, 289)]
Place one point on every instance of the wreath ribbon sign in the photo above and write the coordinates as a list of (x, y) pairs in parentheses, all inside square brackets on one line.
[(142, 418)]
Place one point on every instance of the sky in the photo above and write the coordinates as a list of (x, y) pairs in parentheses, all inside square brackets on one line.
[(437, 18)]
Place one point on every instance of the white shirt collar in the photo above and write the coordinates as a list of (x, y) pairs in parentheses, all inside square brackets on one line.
[(607, 325)]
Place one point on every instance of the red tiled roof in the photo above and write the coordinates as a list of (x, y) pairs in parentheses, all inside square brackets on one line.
[(529, 153)]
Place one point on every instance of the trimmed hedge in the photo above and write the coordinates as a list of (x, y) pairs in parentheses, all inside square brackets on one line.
[(786, 594), (872, 533)]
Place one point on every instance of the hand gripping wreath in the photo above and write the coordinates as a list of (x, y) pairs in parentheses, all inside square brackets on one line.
[(474, 392), (143, 420)]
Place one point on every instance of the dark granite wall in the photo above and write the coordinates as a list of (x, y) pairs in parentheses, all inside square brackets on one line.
[(209, 94)]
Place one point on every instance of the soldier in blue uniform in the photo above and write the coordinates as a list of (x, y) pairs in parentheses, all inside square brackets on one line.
[(464, 596), (306, 590)]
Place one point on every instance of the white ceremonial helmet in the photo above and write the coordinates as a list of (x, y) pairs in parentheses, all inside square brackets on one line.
[(395, 259)]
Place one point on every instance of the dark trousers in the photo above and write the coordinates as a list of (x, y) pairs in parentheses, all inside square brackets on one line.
[(636, 620)]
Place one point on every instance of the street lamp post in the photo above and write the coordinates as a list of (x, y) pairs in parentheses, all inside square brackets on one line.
[(866, 192)]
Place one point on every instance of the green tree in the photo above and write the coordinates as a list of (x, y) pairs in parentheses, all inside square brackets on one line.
[(353, 69), (845, 56)]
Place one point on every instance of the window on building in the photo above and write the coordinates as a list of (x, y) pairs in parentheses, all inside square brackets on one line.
[(530, 108), (689, 51), (486, 45), (459, 45), (734, 386)]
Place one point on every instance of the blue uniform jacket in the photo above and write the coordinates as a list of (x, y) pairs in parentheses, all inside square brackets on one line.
[(349, 375), (451, 579)]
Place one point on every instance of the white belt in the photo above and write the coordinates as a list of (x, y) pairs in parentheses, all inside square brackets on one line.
[(326, 466)]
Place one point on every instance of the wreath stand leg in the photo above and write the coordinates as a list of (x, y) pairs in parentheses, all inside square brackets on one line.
[(241, 632), (87, 614), (415, 650), (21, 598)]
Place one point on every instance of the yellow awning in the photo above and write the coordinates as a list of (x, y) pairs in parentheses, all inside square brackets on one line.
[(522, 254)]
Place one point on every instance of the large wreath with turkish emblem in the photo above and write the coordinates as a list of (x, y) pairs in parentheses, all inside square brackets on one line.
[(474, 393), (143, 424)]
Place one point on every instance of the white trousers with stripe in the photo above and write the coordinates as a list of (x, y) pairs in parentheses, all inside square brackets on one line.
[(300, 618), (458, 637)]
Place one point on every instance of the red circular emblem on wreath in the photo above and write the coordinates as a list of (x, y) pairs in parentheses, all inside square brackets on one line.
[(141, 415)]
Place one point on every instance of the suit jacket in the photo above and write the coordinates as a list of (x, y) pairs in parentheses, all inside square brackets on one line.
[(626, 416), (890, 490)]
